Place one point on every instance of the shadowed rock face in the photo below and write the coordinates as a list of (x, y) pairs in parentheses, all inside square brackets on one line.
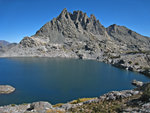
[(75, 35)]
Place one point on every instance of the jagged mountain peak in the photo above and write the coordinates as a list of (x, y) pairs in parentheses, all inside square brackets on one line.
[(92, 16), (64, 11), (77, 16), (79, 25), (72, 25), (63, 14)]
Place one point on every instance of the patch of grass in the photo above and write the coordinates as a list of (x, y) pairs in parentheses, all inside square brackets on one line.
[(130, 62), (58, 105), (114, 106), (146, 93), (64, 48), (102, 107), (13, 105), (146, 68), (54, 111), (113, 57), (80, 100), (24, 104), (136, 63), (136, 52)]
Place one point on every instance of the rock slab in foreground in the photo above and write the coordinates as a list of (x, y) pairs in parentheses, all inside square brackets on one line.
[(36, 107), (6, 89)]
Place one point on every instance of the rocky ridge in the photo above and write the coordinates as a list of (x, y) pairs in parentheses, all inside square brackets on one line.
[(75, 35), (5, 46), (3, 43)]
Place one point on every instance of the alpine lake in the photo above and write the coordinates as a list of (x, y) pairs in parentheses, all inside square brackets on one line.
[(60, 80)]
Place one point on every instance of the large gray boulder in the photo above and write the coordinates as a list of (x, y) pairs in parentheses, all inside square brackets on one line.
[(36, 107), (39, 107), (137, 83)]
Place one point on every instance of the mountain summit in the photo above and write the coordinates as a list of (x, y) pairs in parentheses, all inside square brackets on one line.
[(71, 25), (75, 35)]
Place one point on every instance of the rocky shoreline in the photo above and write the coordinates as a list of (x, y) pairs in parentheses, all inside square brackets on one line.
[(118, 101)]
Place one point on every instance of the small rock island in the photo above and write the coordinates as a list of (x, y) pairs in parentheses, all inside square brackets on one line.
[(6, 89)]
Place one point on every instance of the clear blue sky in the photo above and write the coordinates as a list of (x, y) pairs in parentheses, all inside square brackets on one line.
[(19, 18)]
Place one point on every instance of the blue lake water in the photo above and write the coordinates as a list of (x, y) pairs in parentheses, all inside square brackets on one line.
[(60, 80)]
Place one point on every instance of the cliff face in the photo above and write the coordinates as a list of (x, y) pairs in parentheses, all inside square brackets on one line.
[(76, 35)]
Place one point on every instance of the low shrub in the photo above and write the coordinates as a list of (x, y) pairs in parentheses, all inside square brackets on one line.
[(13, 105), (136, 63), (146, 93), (130, 62)]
